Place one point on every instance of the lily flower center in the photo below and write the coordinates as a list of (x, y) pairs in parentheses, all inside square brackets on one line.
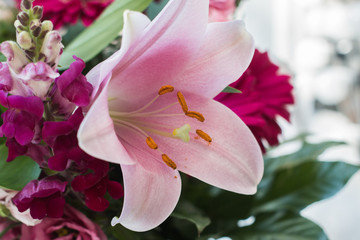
[(140, 122)]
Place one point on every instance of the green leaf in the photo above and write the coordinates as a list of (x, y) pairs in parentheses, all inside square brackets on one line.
[(308, 152), (154, 8), (104, 30), (17, 173), (229, 89), (187, 211), (122, 233), (281, 226), (297, 187), (2, 58)]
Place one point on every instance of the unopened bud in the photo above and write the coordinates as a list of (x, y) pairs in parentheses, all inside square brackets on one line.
[(24, 40), (38, 12), (35, 27), (26, 4), (24, 18), (52, 47), (47, 25), (19, 27)]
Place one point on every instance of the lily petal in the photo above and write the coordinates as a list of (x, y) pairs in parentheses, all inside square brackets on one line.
[(150, 197), (96, 133), (163, 51), (134, 25), (223, 58)]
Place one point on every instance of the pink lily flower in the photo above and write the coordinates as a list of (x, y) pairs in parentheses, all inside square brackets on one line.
[(153, 111)]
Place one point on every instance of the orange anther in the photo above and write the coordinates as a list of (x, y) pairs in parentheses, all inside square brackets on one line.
[(151, 143), (166, 89), (196, 115), (168, 161), (182, 102), (203, 135)]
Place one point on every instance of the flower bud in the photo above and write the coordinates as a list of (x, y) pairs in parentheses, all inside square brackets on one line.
[(38, 12), (19, 27), (24, 18), (52, 48), (26, 4), (35, 27), (46, 27), (24, 40)]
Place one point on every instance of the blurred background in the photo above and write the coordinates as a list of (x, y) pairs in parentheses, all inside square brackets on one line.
[(318, 43)]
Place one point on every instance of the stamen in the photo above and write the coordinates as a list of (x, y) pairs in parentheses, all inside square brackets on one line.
[(203, 135), (151, 143), (182, 102), (196, 115), (168, 161), (166, 89), (183, 132)]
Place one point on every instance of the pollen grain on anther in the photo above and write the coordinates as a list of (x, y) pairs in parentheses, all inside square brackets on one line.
[(168, 161), (166, 89), (196, 115), (151, 143), (203, 135), (182, 102)]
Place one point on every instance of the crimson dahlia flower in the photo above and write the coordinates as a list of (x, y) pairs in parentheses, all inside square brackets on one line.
[(62, 12), (265, 95)]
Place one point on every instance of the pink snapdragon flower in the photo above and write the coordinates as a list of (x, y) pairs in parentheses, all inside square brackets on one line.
[(62, 12), (13, 233), (138, 121), (265, 95), (73, 225), (6, 200), (221, 10), (43, 197)]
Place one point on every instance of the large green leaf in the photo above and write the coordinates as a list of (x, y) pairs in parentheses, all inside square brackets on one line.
[(308, 152), (296, 188), (16, 174), (281, 226), (104, 30), (187, 211)]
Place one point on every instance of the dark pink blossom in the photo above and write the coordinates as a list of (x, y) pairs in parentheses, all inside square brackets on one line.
[(61, 136), (21, 125), (265, 95), (71, 89), (62, 12), (43, 197), (73, 225), (13, 233), (96, 183)]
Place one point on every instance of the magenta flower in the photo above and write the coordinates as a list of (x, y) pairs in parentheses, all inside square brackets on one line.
[(71, 89), (95, 184), (21, 126), (137, 121), (62, 12), (221, 10), (43, 198), (73, 225), (265, 95)]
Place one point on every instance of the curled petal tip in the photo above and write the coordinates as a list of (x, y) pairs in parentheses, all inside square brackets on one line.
[(114, 221)]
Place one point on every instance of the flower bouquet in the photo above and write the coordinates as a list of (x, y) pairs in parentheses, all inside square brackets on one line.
[(107, 116)]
